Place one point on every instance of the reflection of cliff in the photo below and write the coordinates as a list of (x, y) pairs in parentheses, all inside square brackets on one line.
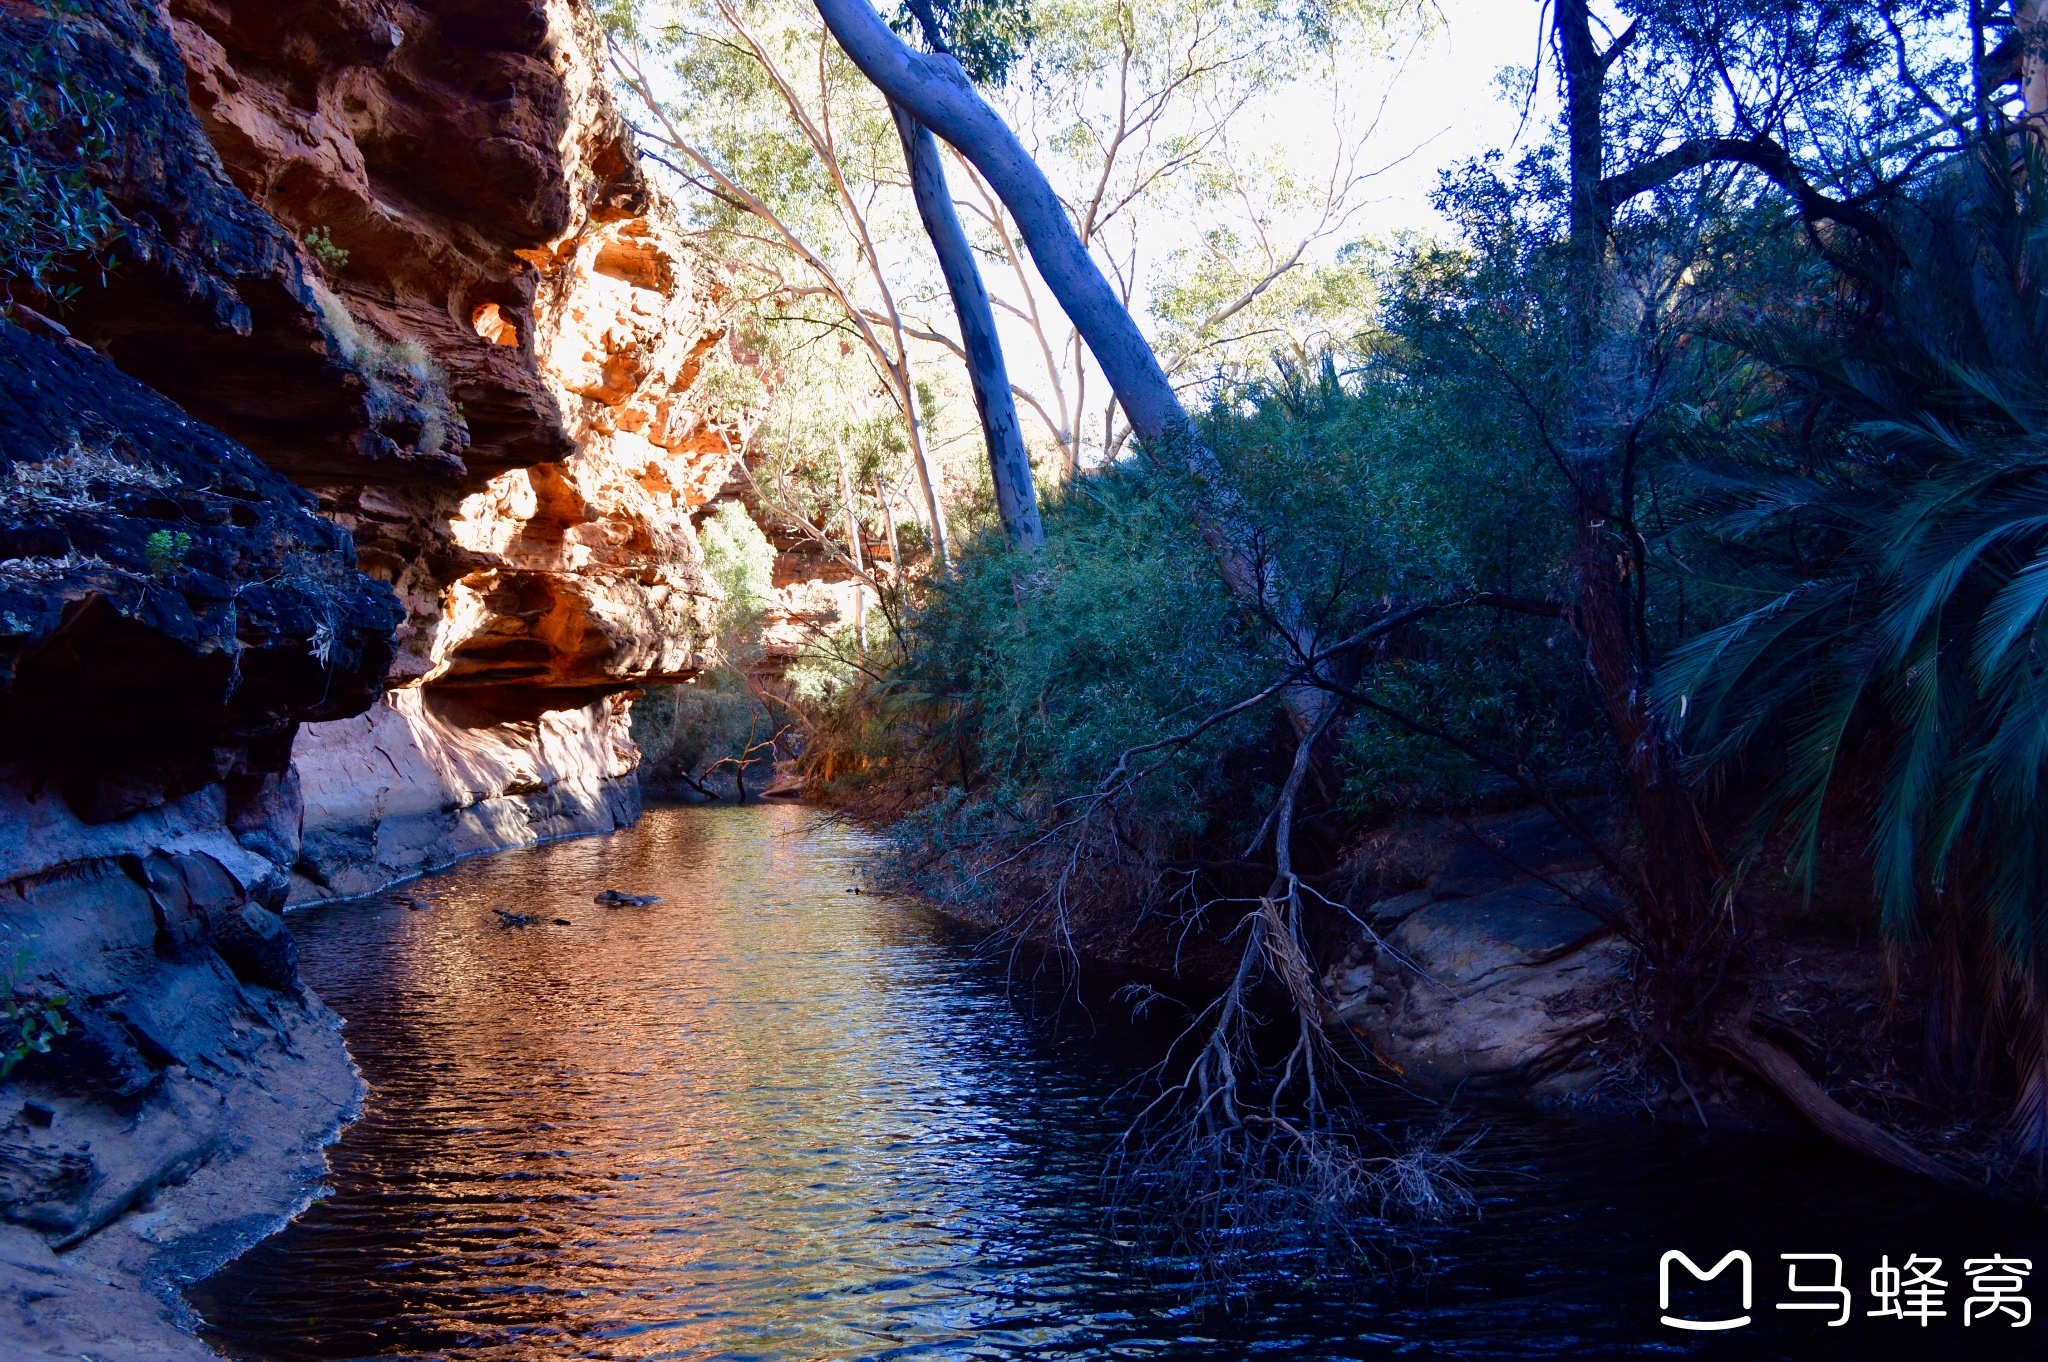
[(463, 155)]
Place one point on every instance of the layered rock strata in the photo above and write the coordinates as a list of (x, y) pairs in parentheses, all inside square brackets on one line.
[(452, 446), (478, 205), (171, 610)]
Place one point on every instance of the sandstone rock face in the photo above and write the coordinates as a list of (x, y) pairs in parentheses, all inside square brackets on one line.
[(466, 158), (170, 608), (251, 483), (204, 297), (419, 781), (815, 595), (191, 1058), (1496, 977)]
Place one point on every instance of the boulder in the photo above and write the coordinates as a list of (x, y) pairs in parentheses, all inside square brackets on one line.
[(257, 947), (1504, 991)]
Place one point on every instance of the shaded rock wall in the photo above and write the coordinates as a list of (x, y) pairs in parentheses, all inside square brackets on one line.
[(1496, 972), (419, 781), (171, 610)]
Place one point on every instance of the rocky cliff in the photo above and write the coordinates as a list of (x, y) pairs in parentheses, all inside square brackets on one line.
[(339, 520), (481, 218)]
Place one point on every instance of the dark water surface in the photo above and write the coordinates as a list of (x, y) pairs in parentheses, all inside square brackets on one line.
[(771, 1119)]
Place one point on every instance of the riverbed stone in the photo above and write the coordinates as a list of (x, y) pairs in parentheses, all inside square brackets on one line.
[(1501, 991)]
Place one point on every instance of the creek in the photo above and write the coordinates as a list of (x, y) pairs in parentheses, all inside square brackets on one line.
[(769, 1118)]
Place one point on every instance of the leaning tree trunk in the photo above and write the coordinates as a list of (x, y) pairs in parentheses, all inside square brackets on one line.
[(1009, 463), (935, 91)]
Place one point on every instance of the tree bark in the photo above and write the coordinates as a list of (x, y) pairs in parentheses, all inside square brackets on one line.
[(935, 91), (894, 367), (853, 549), (2030, 21), (1783, 1075), (1009, 463), (1675, 870)]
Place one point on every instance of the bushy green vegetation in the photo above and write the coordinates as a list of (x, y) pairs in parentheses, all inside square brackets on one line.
[(689, 734), (52, 131), (1022, 679)]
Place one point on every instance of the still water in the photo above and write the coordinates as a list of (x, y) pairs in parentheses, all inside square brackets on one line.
[(768, 1118)]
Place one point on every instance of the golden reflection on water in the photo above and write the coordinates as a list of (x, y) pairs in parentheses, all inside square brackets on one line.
[(721, 1125), (768, 1119)]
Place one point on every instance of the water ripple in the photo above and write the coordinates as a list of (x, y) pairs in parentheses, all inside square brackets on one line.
[(768, 1119)]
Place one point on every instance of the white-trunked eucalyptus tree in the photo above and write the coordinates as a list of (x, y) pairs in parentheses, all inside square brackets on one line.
[(729, 49), (1207, 1124)]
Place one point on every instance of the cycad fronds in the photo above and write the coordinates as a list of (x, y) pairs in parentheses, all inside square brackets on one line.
[(1909, 572)]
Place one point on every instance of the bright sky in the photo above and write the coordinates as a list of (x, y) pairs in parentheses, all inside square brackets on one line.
[(1447, 106)]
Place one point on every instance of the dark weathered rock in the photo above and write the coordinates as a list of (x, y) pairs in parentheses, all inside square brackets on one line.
[(201, 294), (424, 138), (1503, 992), (170, 608), (267, 816), (1494, 852), (257, 946)]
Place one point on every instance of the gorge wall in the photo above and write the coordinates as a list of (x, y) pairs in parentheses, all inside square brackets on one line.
[(481, 212), (319, 565)]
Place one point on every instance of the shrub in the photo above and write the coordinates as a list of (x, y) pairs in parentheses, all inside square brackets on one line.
[(52, 132), (718, 721), (321, 243), (1017, 683), (165, 551), (400, 371)]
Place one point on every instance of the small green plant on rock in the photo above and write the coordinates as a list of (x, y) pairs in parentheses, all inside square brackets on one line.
[(27, 1024), (165, 551), (321, 243)]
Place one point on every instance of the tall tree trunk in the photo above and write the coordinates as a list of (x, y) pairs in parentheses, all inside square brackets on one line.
[(934, 90), (889, 522), (853, 551), (1677, 865), (937, 93), (1009, 463)]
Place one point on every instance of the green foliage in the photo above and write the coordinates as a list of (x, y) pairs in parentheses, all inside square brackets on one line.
[(681, 730), (52, 132), (1892, 658), (28, 1024), (321, 243), (988, 37), (165, 551), (393, 368), (1117, 631), (1030, 675), (742, 561)]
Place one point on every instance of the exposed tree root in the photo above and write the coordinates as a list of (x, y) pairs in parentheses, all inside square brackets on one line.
[(1782, 1074)]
